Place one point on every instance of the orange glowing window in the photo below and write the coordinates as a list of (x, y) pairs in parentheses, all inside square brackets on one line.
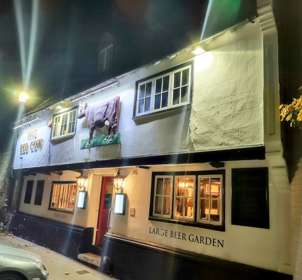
[(63, 196)]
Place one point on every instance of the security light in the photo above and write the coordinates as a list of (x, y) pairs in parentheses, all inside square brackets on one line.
[(23, 97), (198, 51)]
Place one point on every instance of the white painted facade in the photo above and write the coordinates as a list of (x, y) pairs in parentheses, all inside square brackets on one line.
[(226, 109), (234, 105)]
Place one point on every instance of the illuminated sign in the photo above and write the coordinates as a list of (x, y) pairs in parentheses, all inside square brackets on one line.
[(82, 198), (120, 204)]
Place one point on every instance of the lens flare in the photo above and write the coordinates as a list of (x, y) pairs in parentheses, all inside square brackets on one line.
[(23, 97), (21, 35), (27, 44), (32, 41)]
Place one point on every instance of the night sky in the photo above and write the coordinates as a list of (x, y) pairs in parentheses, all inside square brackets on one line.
[(69, 35)]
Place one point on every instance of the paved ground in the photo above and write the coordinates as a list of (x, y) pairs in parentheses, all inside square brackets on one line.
[(59, 267)]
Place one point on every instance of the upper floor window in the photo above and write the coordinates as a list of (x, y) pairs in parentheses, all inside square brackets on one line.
[(164, 91), (196, 198), (64, 124), (105, 57)]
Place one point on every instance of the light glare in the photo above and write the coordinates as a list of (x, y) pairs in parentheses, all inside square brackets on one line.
[(198, 51), (23, 97)]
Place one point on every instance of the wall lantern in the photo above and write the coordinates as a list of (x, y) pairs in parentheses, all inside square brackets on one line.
[(198, 51), (119, 182), (82, 182)]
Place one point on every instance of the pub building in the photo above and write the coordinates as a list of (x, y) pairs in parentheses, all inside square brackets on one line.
[(173, 170)]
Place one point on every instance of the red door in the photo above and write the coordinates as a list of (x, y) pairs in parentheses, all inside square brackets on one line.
[(104, 210)]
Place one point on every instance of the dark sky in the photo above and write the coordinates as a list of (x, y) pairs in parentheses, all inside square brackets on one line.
[(69, 33)]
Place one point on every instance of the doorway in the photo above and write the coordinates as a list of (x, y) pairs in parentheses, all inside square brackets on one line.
[(104, 209)]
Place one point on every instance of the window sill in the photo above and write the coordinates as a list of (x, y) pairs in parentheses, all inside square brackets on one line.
[(62, 138), (61, 211), (188, 223), (161, 114)]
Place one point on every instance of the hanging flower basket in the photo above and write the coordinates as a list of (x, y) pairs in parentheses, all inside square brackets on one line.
[(292, 113)]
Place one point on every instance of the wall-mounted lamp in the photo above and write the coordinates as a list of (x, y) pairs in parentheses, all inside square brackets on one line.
[(198, 51), (82, 182), (119, 182)]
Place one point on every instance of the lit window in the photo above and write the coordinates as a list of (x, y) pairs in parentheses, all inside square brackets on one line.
[(164, 91), (210, 199), (64, 125), (63, 196), (163, 196), (184, 197), (194, 198)]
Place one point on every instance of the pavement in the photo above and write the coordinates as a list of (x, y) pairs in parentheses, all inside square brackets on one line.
[(59, 266)]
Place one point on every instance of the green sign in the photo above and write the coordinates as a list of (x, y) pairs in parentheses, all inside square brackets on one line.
[(101, 140)]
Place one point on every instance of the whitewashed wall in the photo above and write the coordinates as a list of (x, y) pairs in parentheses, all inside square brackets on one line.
[(81, 217), (254, 246), (226, 111)]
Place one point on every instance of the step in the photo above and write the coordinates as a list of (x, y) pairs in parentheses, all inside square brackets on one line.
[(90, 258)]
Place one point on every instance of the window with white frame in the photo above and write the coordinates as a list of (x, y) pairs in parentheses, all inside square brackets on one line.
[(165, 91), (144, 98), (210, 199), (181, 80), (196, 198), (64, 124), (184, 197), (162, 206)]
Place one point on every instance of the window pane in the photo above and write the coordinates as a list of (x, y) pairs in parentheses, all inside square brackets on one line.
[(184, 94), (184, 196), (166, 83), (148, 89), (166, 207), (158, 205), (175, 96), (141, 91), (167, 186), (215, 187), (39, 192), (204, 187), (157, 101), (209, 199), (203, 208), (28, 191), (147, 104), (159, 187), (158, 85), (177, 79), (185, 77), (71, 125), (164, 100), (141, 106)]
